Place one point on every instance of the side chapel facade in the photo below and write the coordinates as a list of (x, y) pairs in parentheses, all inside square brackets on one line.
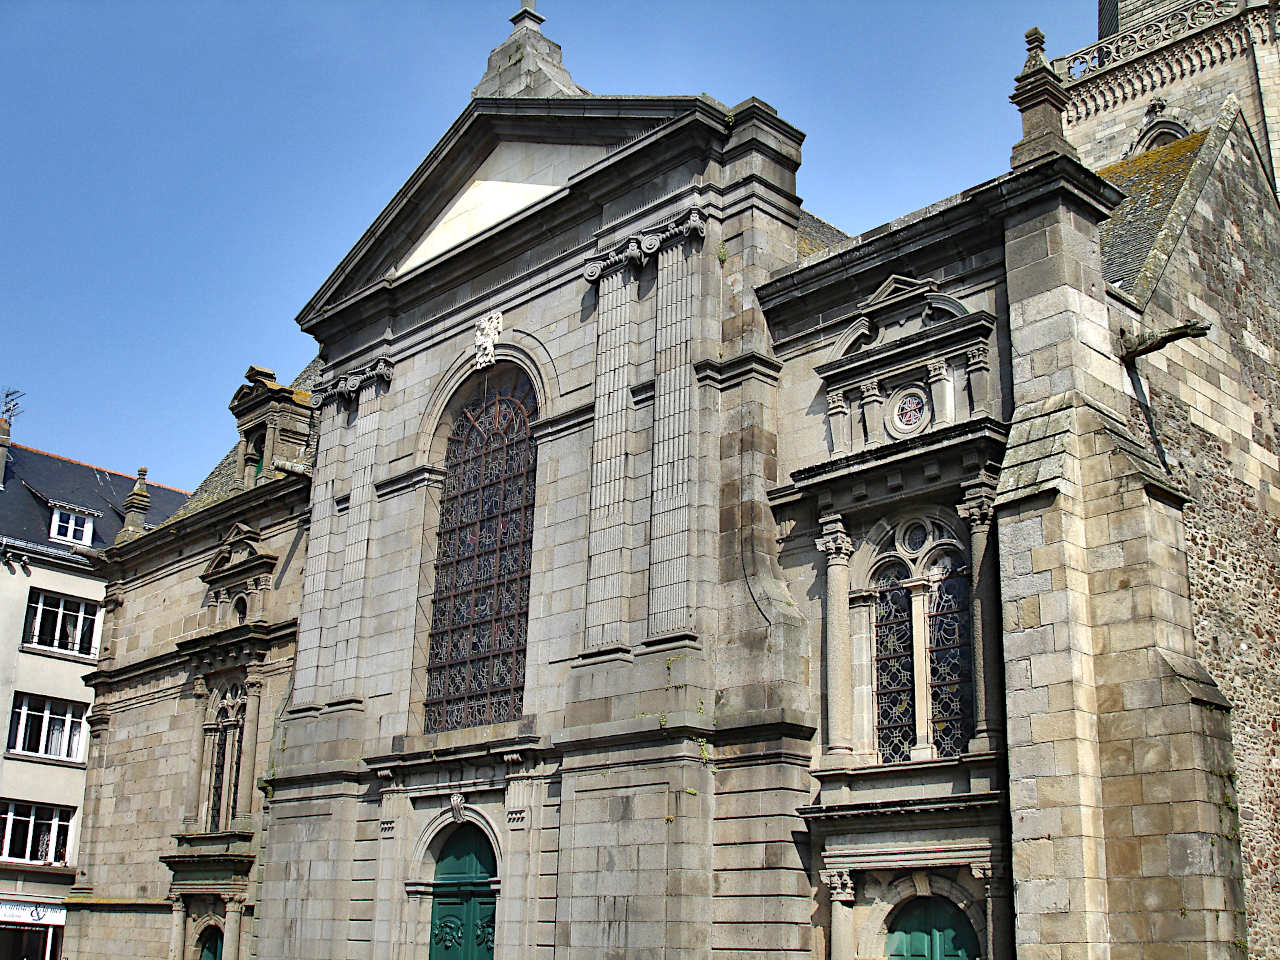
[(645, 568)]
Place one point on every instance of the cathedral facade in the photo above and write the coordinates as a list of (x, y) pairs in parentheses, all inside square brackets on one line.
[(646, 568)]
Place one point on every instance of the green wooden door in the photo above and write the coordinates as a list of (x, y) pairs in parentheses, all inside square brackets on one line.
[(211, 945), (931, 928), (463, 904)]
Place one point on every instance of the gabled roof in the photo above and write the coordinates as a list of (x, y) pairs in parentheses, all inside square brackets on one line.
[(35, 482), (608, 124), (1152, 181)]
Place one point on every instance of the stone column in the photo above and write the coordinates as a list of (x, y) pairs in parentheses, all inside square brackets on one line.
[(838, 672), (248, 747), (873, 412), (843, 887), (978, 367), (862, 646), (939, 384), (177, 925), (191, 811), (988, 664), (838, 421), (231, 932), (923, 749)]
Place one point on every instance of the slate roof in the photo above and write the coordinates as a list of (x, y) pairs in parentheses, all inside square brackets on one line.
[(34, 481), (222, 481), (813, 234), (1152, 181)]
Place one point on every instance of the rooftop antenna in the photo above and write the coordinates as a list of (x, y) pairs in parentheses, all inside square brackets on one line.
[(9, 406)]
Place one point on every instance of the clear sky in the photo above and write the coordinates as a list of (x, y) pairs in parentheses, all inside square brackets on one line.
[(180, 177)]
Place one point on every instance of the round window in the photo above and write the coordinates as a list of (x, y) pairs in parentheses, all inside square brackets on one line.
[(909, 412)]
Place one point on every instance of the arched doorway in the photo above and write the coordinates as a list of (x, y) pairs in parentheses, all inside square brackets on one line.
[(463, 898), (931, 928), (211, 944)]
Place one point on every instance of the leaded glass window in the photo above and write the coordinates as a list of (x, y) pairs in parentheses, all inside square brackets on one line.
[(923, 643), (895, 697), (480, 605), (225, 734), (950, 656)]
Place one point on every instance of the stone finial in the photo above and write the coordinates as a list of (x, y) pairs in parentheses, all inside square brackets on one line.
[(528, 17), (136, 505), (1040, 98), (527, 64)]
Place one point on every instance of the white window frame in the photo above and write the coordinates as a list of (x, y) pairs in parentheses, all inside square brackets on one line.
[(48, 713), (15, 812), (69, 518), (47, 600)]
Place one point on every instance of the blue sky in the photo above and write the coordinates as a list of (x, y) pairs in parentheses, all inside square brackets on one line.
[(179, 178)]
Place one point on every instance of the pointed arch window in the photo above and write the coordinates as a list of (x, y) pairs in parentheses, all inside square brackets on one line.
[(923, 643), (480, 601), (224, 735)]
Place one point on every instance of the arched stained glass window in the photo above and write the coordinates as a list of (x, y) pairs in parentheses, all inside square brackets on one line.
[(480, 604), (950, 655), (895, 696), (923, 643)]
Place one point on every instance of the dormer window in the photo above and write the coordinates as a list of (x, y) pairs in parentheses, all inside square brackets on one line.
[(71, 527)]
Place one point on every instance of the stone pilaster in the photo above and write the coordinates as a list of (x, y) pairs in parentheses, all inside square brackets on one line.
[(195, 757), (231, 932), (978, 369), (674, 431), (838, 423), (248, 749), (984, 592), (872, 412), (842, 886), (837, 664), (939, 380), (177, 925), (608, 558)]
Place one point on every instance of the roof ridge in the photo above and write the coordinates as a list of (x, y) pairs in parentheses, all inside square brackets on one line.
[(94, 466)]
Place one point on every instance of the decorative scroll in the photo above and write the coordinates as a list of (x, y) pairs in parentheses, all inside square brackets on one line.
[(636, 250), (895, 675), (950, 658), (484, 933), (487, 331), (1154, 33), (480, 607), (447, 932), (352, 382)]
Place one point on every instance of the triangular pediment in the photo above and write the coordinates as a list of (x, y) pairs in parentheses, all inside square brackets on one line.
[(239, 551), (897, 287), (513, 176), (501, 159)]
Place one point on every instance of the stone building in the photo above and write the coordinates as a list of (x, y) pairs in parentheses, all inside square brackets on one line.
[(51, 602), (645, 568)]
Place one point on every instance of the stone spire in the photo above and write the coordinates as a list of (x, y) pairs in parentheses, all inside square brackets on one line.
[(136, 505), (527, 64), (1040, 97)]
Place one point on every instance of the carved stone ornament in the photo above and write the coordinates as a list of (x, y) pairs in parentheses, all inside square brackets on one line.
[(636, 250), (487, 332), (455, 807), (843, 884), (348, 385), (837, 546), (977, 358), (836, 403), (871, 392)]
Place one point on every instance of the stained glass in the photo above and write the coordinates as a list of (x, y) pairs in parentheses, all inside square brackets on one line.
[(475, 670), (895, 701), (950, 658)]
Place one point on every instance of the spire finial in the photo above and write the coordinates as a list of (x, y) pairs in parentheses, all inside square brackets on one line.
[(136, 505), (527, 17), (1040, 97)]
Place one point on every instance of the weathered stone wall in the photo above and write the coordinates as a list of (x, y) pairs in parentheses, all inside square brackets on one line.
[(1214, 404), (1108, 109), (141, 760)]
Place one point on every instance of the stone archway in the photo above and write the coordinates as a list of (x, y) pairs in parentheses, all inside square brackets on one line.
[(931, 928)]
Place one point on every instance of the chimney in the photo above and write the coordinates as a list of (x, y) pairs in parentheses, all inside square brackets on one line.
[(136, 505), (4, 432), (1039, 96)]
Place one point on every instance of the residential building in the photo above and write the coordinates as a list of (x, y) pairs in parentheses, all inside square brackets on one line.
[(647, 568), (51, 605)]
